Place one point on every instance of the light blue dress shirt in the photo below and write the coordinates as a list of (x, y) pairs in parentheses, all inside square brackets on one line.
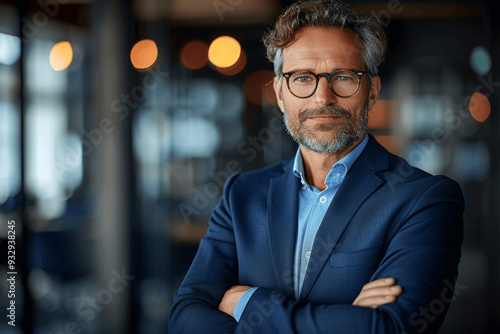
[(313, 204)]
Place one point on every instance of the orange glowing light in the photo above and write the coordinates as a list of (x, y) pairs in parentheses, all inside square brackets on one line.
[(194, 55), (256, 88), (144, 54), (236, 68), (380, 115), (388, 142), (224, 51), (479, 107), (60, 56), (269, 93)]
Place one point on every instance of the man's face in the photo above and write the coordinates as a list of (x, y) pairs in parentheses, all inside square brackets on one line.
[(324, 122)]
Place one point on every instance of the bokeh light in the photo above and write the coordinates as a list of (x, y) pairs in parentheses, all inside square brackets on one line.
[(269, 94), (236, 68), (194, 137), (480, 60), (144, 54), (472, 161), (194, 55), (224, 51), (258, 86), (431, 160), (380, 115), (232, 103), (10, 49), (479, 107), (10, 180), (60, 56), (203, 97), (389, 142)]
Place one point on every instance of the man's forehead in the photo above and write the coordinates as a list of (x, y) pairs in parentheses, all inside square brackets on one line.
[(317, 43)]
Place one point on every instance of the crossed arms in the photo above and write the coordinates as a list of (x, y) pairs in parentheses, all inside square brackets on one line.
[(421, 255), (373, 294)]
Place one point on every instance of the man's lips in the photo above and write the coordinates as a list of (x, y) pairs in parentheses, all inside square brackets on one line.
[(324, 116)]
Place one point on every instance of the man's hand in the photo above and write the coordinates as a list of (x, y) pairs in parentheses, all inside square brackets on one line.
[(379, 292), (373, 294), (231, 298)]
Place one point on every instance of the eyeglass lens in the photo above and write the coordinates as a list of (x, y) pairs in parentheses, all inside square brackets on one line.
[(303, 84)]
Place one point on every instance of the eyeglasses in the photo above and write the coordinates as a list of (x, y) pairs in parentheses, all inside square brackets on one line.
[(343, 83)]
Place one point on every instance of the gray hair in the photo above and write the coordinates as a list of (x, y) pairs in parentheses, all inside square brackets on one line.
[(326, 13)]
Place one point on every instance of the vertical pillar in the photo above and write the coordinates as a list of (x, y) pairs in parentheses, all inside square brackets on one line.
[(109, 171)]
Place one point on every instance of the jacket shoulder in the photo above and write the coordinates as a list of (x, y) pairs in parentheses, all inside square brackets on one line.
[(405, 177)]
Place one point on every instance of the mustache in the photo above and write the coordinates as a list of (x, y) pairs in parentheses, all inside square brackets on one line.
[(329, 110)]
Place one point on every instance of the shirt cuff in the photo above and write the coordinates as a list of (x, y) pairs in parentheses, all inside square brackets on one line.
[(242, 303)]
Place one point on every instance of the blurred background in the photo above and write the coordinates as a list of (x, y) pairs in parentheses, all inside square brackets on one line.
[(120, 121)]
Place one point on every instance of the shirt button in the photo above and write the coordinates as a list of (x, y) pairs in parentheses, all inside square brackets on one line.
[(322, 199), (307, 254)]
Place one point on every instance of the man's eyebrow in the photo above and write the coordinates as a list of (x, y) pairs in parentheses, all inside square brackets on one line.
[(300, 69), (333, 70)]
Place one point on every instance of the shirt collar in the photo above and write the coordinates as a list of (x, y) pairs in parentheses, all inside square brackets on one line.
[(346, 162)]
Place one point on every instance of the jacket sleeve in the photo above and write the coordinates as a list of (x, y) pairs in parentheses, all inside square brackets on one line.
[(213, 271), (422, 256)]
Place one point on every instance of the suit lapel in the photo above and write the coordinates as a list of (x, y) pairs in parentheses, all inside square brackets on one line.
[(282, 203), (359, 183)]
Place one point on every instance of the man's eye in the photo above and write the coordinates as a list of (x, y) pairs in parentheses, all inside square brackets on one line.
[(303, 78), (343, 78)]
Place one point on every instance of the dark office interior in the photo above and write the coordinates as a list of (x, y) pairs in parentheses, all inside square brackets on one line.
[(117, 133)]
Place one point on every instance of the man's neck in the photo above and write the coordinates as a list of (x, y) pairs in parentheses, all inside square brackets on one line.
[(317, 165)]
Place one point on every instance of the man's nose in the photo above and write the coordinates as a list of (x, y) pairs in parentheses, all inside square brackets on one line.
[(324, 95)]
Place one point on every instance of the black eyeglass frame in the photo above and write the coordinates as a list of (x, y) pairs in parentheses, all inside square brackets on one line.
[(328, 77)]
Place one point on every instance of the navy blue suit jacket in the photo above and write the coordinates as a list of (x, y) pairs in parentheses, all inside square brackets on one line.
[(388, 219)]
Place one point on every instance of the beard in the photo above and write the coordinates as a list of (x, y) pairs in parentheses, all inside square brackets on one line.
[(319, 139)]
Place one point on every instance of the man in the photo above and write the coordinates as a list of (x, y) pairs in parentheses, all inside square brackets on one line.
[(344, 237)]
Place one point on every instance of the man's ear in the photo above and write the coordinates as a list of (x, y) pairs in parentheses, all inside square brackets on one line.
[(277, 91), (374, 92)]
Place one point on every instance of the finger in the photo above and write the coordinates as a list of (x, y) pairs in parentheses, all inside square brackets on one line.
[(375, 302), (379, 292), (380, 282), (394, 290), (239, 288)]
